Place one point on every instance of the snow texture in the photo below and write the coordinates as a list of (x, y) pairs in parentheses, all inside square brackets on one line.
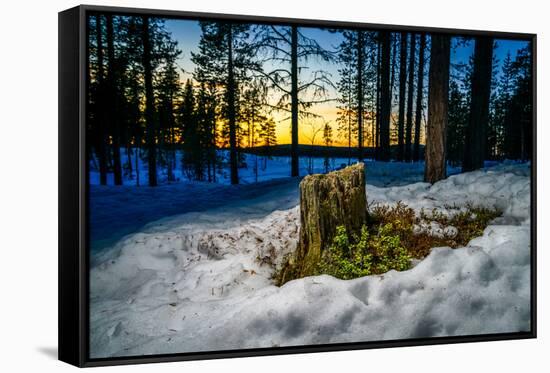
[(116, 211), (201, 281)]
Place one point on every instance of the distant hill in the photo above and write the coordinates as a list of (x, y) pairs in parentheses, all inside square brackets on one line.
[(319, 151)]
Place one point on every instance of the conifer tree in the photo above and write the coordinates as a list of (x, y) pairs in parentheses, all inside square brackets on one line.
[(168, 89), (438, 100), (97, 97), (410, 90), (402, 92), (288, 47), (356, 86), (190, 115), (476, 133), (419, 98), (385, 99), (225, 59), (327, 140), (457, 119), (268, 138), (113, 97)]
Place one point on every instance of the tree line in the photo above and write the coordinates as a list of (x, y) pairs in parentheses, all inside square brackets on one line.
[(245, 72), (376, 66), (486, 118), (138, 103), (383, 75)]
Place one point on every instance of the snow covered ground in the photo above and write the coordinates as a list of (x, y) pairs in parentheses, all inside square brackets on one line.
[(268, 169), (201, 280), (116, 211)]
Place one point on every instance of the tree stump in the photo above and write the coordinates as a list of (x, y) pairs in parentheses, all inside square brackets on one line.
[(326, 201)]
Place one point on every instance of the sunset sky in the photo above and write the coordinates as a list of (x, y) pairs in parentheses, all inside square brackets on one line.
[(187, 33)]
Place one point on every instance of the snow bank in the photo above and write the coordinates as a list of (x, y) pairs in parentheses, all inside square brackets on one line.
[(272, 168), (268, 169), (204, 284), (116, 211)]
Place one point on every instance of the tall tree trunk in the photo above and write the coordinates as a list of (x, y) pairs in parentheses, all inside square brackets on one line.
[(376, 132), (214, 154), (349, 124), (294, 101), (114, 118), (231, 109), (172, 152), (129, 157), (385, 99), (476, 133), (402, 91), (408, 130), (100, 111), (138, 141), (149, 105), (438, 102), (360, 96), (393, 64), (419, 93)]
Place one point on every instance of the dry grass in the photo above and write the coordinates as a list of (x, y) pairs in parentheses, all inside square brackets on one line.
[(469, 222)]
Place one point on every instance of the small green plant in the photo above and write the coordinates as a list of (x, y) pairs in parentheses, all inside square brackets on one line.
[(364, 255), (389, 241)]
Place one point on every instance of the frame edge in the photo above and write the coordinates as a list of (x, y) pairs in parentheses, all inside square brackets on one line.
[(72, 220), (70, 348)]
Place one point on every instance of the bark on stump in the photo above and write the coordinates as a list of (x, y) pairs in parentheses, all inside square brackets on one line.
[(327, 201)]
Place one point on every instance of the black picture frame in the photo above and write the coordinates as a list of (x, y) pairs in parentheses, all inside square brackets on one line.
[(73, 192)]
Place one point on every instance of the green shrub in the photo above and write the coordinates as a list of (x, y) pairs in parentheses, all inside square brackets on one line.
[(387, 241), (365, 255)]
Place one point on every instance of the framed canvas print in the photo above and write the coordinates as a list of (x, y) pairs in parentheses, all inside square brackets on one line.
[(237, 186)]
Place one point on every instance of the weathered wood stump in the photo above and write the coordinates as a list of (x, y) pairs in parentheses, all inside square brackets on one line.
[(326, 201)]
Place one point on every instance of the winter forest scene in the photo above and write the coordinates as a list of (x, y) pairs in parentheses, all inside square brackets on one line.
[(263, 185)]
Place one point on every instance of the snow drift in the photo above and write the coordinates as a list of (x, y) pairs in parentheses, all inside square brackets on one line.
[(201, 281)]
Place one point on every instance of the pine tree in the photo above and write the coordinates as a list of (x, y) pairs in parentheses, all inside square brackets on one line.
[(410, 90), (438, 99), (190, 115), (225, 58), (97, 97), (133, 90), (377, 62), (402, 91), (130, 91), (460, 84), (457, 119), (491, 148), (419, 100), (522, 104), (503, 105), (168, 89), (252, 111), (114, 101), (150, 122), (360, 92), (288, 45), (346, 114), (268, 137), (327, 140), (294, 110), (252, 115), (385, 99), (476, 133), (355, 87)]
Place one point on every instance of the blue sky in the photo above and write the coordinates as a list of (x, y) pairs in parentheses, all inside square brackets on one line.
[(187, 33)]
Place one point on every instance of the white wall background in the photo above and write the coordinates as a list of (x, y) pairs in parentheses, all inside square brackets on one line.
[(28, 184)]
